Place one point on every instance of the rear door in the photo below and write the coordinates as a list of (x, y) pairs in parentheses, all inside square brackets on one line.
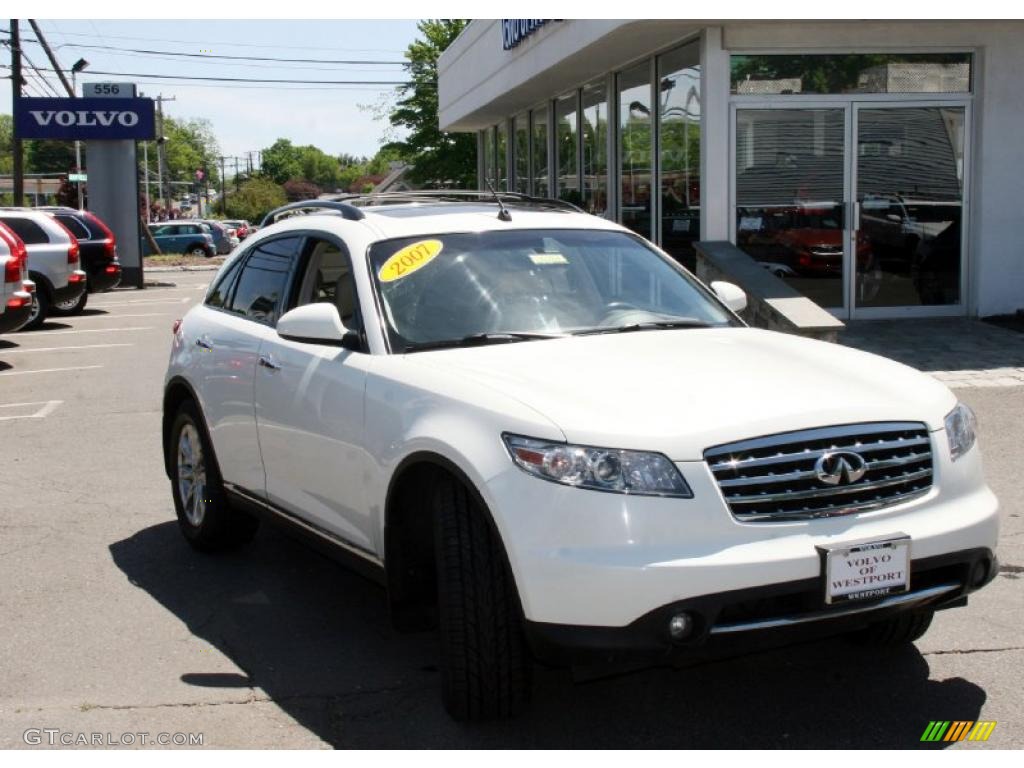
[(236, 319)]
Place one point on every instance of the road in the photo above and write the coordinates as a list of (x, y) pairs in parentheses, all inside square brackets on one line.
[(111, 624)]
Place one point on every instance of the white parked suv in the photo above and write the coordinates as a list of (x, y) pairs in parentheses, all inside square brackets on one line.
[(53, 260), (550, 441)]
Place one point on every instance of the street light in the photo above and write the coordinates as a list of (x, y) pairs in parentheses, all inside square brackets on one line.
[(77, 67)]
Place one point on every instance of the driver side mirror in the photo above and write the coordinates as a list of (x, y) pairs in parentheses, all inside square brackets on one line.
[(317, 323), (734, 297)]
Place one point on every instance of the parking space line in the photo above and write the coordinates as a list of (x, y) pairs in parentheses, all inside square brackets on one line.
[(118, 315), (61, 349), (47, 334), (49, 406), (137, 302), (52, 370)]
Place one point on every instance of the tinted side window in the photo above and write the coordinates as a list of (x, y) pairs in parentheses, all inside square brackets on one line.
[(263, 280), (222, 290), (27, 230), (78, 229)]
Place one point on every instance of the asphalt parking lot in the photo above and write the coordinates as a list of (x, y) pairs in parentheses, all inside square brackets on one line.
[(110, 623)]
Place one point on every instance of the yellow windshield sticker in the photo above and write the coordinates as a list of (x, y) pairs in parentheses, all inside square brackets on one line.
[(548, 258), (409, 259)]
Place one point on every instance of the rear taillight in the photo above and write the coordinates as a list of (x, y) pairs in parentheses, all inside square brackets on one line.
[(73, 249), (16, 266), (111, 269)]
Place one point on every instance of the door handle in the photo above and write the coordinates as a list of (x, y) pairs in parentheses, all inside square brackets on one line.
[(204, 342), (268, 362), (856, 216)]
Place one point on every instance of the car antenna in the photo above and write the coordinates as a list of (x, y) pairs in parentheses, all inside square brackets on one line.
[(503, 214)]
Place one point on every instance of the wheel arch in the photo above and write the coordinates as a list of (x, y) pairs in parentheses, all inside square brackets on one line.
[(177, 391), (409, 546), (42, 283)]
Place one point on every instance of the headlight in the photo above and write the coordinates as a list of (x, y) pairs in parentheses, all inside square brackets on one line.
[(961, 424), (600, 469)]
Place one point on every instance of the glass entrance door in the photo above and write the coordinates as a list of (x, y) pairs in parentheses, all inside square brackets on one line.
[(907, 231), (791, 170)]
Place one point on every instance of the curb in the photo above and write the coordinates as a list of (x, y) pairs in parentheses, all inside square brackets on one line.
[(183, 268)]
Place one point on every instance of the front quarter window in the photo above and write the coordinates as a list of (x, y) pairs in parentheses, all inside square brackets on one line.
[(515, 285)]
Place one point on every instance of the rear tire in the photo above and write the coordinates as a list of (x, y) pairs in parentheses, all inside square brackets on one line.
[(40, 309), (198, 251), (485, 664), (895, 631), (206, 519), (66, 308)]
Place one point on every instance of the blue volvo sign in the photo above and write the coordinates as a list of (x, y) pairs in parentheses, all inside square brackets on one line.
[(87, 119), (514, 31)]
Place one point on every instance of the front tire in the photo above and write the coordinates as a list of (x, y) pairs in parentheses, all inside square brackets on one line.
[(206, 519), (72, 307), (895, 631), (485, 663)]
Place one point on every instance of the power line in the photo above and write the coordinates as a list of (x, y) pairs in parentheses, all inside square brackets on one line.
[(150, 52), (241, 79), (229, 44)]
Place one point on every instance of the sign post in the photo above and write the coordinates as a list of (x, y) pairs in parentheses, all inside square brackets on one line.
[(110, 118)]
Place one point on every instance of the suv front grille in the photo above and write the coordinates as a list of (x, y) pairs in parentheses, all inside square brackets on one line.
[(777, 478)]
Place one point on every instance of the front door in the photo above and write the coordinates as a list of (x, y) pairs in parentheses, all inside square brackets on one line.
[(908, 224)]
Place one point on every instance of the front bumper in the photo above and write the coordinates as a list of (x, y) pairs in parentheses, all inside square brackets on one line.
[(793, 609), (590, 559)]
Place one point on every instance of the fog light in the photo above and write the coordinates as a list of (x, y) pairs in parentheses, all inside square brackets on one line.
[(680, 626), (980, 573)]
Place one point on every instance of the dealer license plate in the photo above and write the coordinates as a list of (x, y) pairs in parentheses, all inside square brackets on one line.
[(867, 569)]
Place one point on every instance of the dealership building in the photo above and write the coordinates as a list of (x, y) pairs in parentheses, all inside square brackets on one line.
[(874, 166)]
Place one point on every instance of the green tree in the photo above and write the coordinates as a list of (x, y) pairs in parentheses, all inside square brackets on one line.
[(256, 197), (438, 157), (6, 144)]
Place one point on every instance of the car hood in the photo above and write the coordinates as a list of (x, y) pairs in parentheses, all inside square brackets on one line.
[(681, 391)]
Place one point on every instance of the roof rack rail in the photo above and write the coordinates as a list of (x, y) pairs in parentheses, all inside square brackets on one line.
[(346, 210), (452, 196)]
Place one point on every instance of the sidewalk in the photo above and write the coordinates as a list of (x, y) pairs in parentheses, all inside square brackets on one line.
[(959, 352)]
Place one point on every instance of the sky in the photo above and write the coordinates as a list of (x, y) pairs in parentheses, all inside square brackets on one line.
[(245, 116)]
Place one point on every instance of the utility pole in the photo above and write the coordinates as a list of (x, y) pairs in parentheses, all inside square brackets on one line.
[(161, 153), (236, 174), (16, 83), (223, 194)]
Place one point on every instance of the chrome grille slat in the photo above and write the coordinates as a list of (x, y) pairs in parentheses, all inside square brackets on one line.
[(775, 478), (809, 454), (808, 474), (834, 490)]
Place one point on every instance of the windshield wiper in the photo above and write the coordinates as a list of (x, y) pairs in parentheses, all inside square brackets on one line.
[(480, 339), (652, 325)]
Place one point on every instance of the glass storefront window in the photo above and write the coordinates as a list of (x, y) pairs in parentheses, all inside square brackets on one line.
[(635, 149), (539, 129), (679, 115), (772, 74), (567, 138), (789, 196), (501, 150), (521, 153), (595, 149), (487, 147)]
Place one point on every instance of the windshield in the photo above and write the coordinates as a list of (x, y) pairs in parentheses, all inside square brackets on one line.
[(444, 290)]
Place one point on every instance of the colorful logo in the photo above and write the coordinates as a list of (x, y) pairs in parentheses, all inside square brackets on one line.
[(958, 730)]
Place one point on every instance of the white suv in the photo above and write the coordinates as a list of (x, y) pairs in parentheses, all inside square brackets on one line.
[(550, 441), (53, 260)]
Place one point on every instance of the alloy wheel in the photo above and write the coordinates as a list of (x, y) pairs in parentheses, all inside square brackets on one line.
[(191, 475)]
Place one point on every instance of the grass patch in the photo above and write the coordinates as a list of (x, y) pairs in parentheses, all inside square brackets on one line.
[(182, 260)]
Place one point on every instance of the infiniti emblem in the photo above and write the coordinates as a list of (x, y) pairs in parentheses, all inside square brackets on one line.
[(840, 468)]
